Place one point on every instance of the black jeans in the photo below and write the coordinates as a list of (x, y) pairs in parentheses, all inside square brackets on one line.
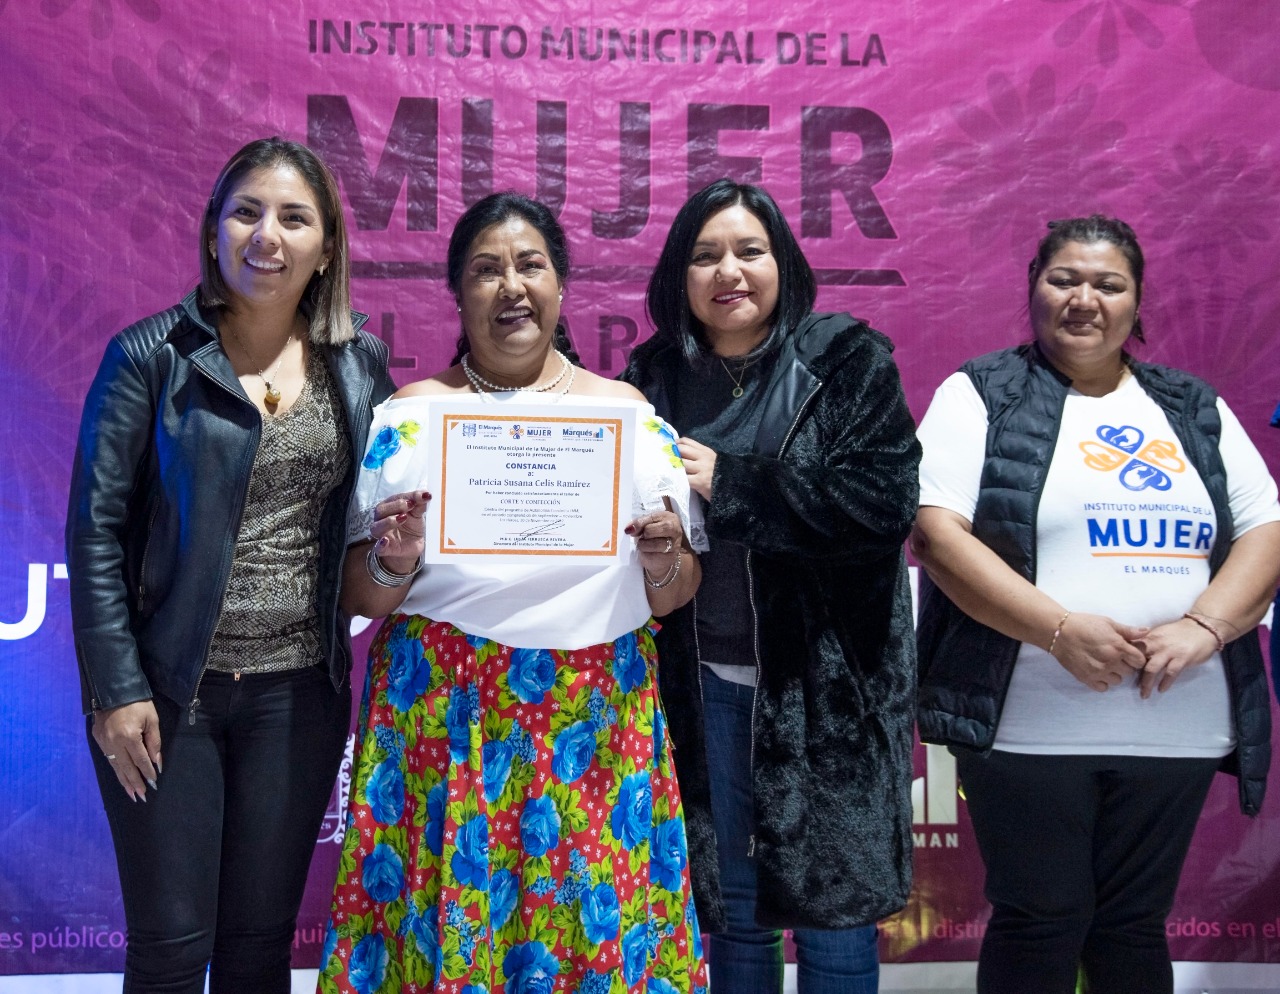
[(1083, 855), (214, 863)]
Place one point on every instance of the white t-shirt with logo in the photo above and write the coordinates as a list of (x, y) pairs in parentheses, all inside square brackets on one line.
[(1124, 529)]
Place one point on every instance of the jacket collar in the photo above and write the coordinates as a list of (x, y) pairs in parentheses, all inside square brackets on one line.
[(347, 371), (805, 358)]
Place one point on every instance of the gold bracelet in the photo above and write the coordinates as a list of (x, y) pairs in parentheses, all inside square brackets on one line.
[(1208, 628), (1058, 631)]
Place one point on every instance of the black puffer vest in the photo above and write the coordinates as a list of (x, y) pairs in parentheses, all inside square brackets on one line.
[(965, 667)]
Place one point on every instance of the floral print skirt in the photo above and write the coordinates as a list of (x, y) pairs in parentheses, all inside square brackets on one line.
[(514, 826)]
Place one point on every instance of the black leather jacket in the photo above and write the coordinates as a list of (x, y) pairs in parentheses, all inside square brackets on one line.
[(167, 442)]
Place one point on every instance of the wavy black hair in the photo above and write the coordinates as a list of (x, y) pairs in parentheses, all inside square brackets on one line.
[(484, 214), (1094, 228), (667, 300)]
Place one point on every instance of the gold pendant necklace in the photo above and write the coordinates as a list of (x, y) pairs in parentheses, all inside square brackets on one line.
[(737, 380), (272, 397)]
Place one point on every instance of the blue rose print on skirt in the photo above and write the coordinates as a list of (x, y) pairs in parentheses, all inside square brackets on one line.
[(471, 862), (532, 674), (573, 751), (409, 676), (504, 891), (435, 817), (635, 952), (458, 720), (383, 876), (385, 791), (496, 755), (368, 964), (628, 665), (634, 811), (539, 826), (595, 983), (668, 854), (530, 969), (660, 985), (601, 914), (330, 944), (523, 856), (691, 919)]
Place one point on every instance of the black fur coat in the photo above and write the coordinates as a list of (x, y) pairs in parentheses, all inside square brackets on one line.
[(824, 505)]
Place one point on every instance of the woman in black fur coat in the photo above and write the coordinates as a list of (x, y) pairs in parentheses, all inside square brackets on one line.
[(789, 681)]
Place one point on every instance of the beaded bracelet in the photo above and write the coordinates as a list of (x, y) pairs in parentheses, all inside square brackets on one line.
[(1058, 631), (1208, 628), (384, 577), (669, 578)]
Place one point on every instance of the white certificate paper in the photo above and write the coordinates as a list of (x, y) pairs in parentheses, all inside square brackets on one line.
[(522, 482)]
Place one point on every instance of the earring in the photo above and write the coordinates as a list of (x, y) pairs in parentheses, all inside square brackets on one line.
[(213, 250), (459, 308), (323, 267)]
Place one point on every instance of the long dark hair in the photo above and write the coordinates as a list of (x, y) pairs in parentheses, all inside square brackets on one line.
[(484, 214), (1094, 228), (326, 302), (667, 300)]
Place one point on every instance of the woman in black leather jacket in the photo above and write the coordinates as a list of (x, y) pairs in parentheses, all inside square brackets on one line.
[(217, 450)]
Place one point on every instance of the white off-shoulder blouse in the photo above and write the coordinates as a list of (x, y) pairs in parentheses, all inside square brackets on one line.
[(542, 606)]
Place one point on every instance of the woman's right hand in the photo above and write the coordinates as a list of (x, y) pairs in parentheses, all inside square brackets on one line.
[(129, 737), (1098, 651), (397, 530)]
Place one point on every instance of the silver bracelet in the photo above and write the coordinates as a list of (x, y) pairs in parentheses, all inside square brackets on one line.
[(384, 577), (669, 578)]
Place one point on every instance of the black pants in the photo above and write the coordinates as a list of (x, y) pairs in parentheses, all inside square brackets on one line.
[(214, 863), (1083, 855)]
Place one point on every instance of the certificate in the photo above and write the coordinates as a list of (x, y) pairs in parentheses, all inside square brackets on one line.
[(525, 482)]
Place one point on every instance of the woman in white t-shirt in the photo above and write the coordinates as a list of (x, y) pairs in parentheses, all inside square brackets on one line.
[(1100, 539), (514, 816)]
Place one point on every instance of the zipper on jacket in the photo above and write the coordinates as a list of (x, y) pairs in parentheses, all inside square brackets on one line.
[(755, 696), (336, 634), (146, 551), (244, 496), (755, 620)]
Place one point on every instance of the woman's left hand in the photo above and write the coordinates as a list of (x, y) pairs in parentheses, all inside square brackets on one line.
[(659, 539), (699, 465), (1170, 649)]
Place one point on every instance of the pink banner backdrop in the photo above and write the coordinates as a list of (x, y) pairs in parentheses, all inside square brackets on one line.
[(918, 148)]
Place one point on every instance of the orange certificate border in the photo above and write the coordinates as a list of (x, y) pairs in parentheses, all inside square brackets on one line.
[(449, 420)]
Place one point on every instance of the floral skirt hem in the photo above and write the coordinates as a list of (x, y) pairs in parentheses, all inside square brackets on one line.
[(515, 824)]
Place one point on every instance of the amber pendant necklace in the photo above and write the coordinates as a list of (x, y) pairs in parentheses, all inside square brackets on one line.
[(272, 396)]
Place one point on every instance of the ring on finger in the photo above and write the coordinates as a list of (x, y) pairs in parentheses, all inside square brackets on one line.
[(668, 548), (111, 758)]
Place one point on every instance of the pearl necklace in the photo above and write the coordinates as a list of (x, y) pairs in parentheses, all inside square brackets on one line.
[(483, 386)]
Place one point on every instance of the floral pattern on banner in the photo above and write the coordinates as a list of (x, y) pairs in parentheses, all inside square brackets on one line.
[(515, 824)]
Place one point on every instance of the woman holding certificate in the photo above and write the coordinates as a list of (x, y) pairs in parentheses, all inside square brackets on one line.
[(791, 679), (514, 818)]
